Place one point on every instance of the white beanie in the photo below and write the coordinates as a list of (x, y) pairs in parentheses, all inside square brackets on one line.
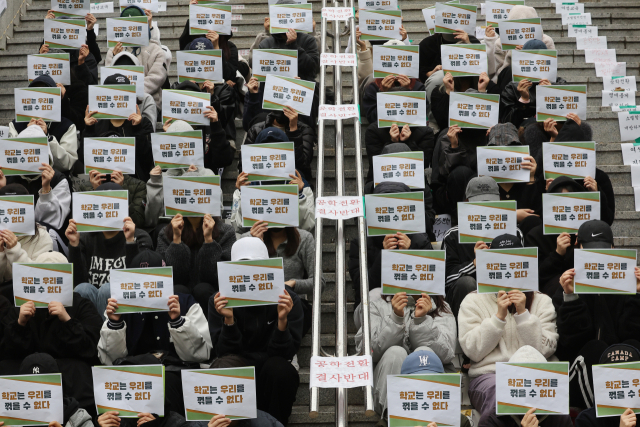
[(33, 131), (179, 126), (527, 354), (134, 58), (51, 258), (249, 248), (393, 42)]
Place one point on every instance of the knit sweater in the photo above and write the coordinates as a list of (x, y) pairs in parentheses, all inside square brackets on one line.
[(26, 250), (485, 339)]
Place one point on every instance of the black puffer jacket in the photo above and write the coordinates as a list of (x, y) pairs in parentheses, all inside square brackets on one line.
[(446, 159), (369, 103), (514, 111)]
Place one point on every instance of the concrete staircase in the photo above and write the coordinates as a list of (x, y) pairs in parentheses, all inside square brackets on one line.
[(618, 20)]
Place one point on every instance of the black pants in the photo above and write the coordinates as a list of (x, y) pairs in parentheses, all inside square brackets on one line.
[(277, 383), (458, 291)]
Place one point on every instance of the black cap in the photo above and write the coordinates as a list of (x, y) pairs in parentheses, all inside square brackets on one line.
[(147, 259), (39, 363), (595, 234), (14, 190), (117, 79), (43, 81), (565, 182), (506, 241), (109, 186), (188, 85), (618, 353)]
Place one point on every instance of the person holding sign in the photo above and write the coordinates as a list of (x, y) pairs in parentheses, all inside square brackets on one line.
[(63, 140), (267, 336), (403, 324), (391, 83), (152, 57)]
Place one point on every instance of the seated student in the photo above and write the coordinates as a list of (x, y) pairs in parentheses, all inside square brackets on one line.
[(94, 254), (492, 328), (306, 205), (218, 152), (447, 196), (302, 135), (616, 353), (136, 125), (63, 141), (69, 334), (193, 248), (376, 244), (460, 262), (365, 56), (589, 323), (267, 336), (416, 138), (369, 101), (400, 325), (152, 57), (431, 52)]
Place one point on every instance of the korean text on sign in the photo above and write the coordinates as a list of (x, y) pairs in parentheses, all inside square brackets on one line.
[(498, 10), (341, 372), (485, 220), (396, 60), (65, 33), (17, 214), (107, 155), (576, 160), (453, 17), (23, 156), (463, 60), (605, 271), (281, 62), (504, 164), (129, 390), (172, 150), (617, 385), (339, 207), (112, 101), (141, 290), (268, 162), (38, 103), (192, 195), (407, 167), (393, 213), (517, 32), (185, 105), (280, 92), (380, 24), (566, 212), (413, 271), (135, 74), (100, 210), (251, 282), (401, 108), (473, 110), (378, 4), (534, 65), (296, 16), (556, 102), (31, 399), (131, 32), (507, 269), (42, 284), (54, 65), (275, 204), (205, 17)]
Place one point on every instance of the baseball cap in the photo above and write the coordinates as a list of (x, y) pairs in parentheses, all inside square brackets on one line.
[(201, 43), (595, 234), (117, 79), (14, 190), (564, 182), (271, 134), (620, 353), (147, 259), (43, 81), (534, 45), (131, 11), (422, 362), (39, 363), (482, 189), (249, 248), (506, 241)]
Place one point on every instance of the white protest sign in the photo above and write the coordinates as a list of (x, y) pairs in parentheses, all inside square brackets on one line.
[(65, 33), (280, 92), (422, 399), (593, 42), (630, 153), (41, 399), (604, 271), (135, 74), (604, 69), (566, 212), (129, 390), (131, 32), (38, 103), (251, 282), (112, 101), (441, 225), (629, 124), (618, 98), (142, 290), (576, 160), (636, 194), (162, 6), (341, 59), (17, 214), (618, 83), (481, 32), (100, 210), (151, 5), (199, 65), (105, 7), (380, 24), (54, 65), (107, 155), (211, 16), (4, 132), (185, 105), (522, 386), (635, 175), (228, 391), (298, 17), (338, 13), (395, 213), (395, 61), (569, 7), (281, 62), (339, 207), (486, 220), (23, 156), (582, 31), (338, 112), (464, 59), (516, 32), (378, 4), (576, 19), (600, 55), (503, 163), (556, 102), (192, 195), (498, 10), (429, 14), (402, 108), (406, 167), (173, 150), (42, 284), (341, 372), (473, 110), (622, 108), (450, 18), (269, 161), (413, 271), (534, 65), (616, 385), (507, 269), (275, 204)]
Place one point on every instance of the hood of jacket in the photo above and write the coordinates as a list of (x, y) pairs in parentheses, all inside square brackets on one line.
[(522, 12)]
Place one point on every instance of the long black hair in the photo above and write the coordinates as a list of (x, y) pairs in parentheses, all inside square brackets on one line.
[(293, 241)]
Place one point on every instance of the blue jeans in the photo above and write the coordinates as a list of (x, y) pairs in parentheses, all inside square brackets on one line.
[(98, 296)]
